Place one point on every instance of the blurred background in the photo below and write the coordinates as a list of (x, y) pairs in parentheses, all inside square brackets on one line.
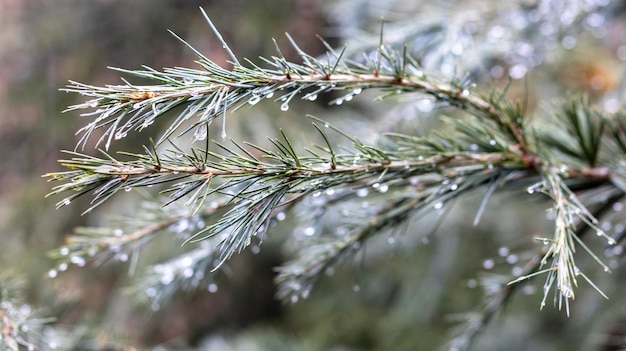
[(408, 303)]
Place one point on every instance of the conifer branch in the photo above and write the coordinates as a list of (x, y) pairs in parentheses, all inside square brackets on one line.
[(569, 156)]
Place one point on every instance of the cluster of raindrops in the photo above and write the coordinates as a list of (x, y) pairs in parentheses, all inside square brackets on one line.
[(504, 258), (191, 271), (515, 37)]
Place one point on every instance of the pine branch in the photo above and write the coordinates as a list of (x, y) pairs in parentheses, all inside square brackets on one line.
[(20, 326), (493, 145), (210, 92)]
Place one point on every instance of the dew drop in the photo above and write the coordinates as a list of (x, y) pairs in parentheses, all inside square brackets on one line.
[(438, 205), (312, 97), (127, 189), (356, 288), (391, 240), (492, 142), (200, 133), (512, 259), (212, 288), (93, 103), (280, 216), (284, 107), (167, 278), (348, 97), (357, 91), (151, 292), (64, 251), (453, 187), (489, 263), (294, 298), (52, 273), (77, 260), (383, 188), (363, 192), (309, 231), (254, 100), (137, 105), (67, 202), (503, 251), (63, 267)]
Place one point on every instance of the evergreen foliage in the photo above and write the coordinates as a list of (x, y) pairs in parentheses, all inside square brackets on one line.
[(221, 197)]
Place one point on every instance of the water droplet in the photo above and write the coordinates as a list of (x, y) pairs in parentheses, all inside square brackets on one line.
[(391, 240), (122, 257), (438, 205), (356, 288), (93, 103), (339, 102), (280, 216), (64, 251), (193, 93), (188, 272), (618, 206), (503, 251), (472, 283), (357, 91), (348, 97), (309, 231), (489, 263), (52, 273), (63, 267), (383, 188), (77, 260), (511, 259), (137, 105), (453, 187), (294, 298), (284, 107), (465, 92), (151, 292), (127, 189), (492, 142), (317, 193), (67, 202), (254, 100), (312, 97), (611, 241), (167, 278), (212, 288), (118, 232), (600, 233), (363, 192), (200, 133)]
